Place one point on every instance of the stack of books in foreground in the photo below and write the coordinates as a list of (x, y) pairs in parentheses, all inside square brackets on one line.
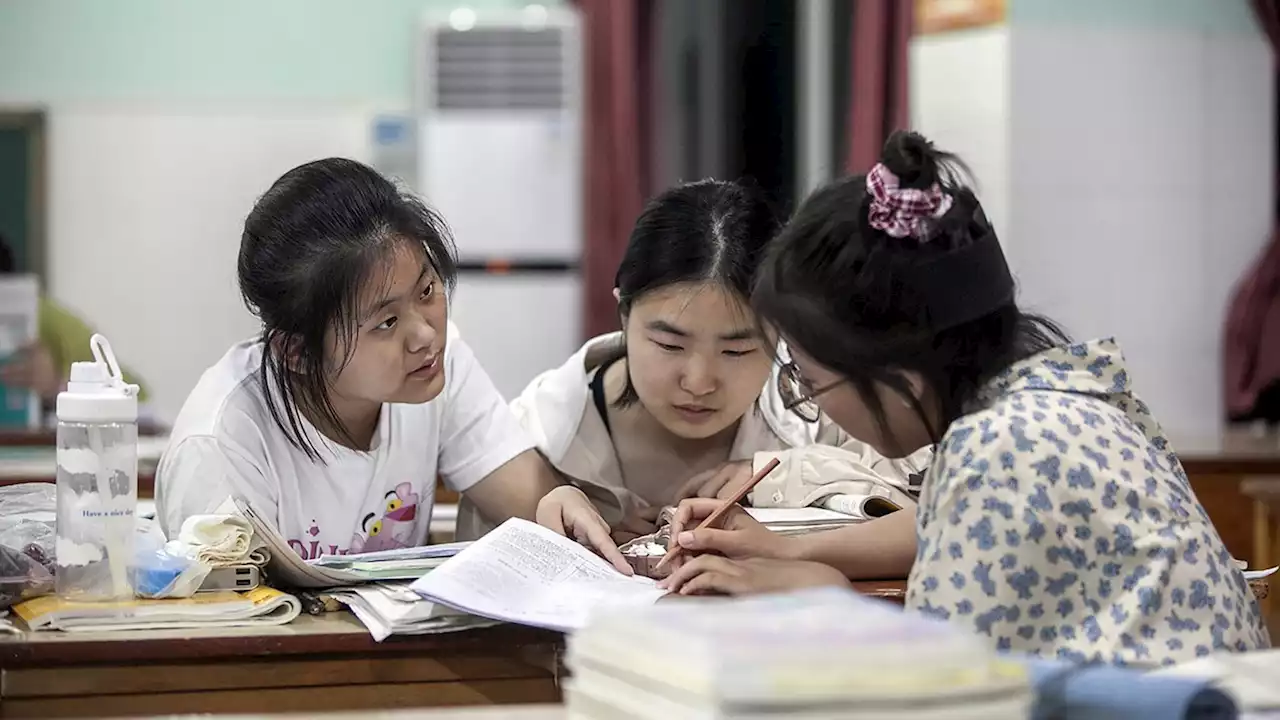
[(825, 653)]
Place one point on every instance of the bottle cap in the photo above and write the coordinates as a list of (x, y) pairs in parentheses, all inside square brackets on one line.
[(96, 391)]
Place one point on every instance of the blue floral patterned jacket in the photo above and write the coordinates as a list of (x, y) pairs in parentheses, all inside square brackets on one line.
[(1057, 520)]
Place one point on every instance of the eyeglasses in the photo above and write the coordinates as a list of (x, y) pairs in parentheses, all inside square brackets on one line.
[(798, 393)]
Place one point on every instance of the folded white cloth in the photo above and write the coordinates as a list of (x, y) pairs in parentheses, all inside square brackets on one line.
[(216, 540)]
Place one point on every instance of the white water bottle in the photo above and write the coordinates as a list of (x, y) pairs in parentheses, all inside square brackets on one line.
[(97, 479)]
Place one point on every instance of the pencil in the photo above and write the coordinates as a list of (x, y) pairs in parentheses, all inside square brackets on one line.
[(719, 512)]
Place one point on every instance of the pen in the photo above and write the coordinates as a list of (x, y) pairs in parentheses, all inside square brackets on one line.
[(719, 512)]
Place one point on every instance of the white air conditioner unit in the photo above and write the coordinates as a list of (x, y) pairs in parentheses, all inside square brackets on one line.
[(499, 111)]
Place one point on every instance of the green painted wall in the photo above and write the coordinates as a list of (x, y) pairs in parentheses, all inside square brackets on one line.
[(212, 50), (1218, 16)]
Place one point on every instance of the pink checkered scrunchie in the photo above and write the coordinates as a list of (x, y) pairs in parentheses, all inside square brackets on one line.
[(902, 212)]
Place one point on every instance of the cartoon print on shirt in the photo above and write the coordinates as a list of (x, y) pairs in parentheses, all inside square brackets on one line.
[(395, 528)]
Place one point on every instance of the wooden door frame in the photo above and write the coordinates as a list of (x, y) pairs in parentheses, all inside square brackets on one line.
[(34, 120)]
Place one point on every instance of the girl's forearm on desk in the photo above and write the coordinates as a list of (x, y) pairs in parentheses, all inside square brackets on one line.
[(878, 549)]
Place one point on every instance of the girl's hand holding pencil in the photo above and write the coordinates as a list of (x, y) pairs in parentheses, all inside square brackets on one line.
[(736, 554), (723, 527)]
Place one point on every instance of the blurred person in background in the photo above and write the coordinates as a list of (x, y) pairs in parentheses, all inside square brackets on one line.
[(62, 338)]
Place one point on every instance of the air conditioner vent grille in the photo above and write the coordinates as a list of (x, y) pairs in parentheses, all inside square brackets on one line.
[(499, 69)]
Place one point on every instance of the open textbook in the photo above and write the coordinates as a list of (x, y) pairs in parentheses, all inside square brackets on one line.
[(526, 574), (796, 521), (260, 606), (328, 571)]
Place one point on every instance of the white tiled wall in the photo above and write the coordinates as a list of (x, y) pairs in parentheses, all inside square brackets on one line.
[(519, 325), (146, 207), (1132, 172)]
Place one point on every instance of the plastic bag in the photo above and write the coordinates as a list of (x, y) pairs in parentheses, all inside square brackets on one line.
[(27, 516), (160, 570)]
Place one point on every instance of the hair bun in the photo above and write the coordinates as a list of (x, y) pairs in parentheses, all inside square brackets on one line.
[(912, 158)]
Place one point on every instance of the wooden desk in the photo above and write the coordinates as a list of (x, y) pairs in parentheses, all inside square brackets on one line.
[(317, 663), (891, 590), (1235, 452), (1218, 467), (1224, 472), (507, 712), (1264, 491)]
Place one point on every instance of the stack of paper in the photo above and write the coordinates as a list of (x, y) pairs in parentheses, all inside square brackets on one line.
[(260, 606), (408, 563), (329, 571), (526, 574), (826, 653), (393, 609)]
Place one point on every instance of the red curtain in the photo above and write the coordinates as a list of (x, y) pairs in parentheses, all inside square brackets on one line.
[(617, 37), (1251, 341), (878, 77)]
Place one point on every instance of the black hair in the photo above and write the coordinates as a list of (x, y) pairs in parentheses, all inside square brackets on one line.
[(312, 241), (841, 291), (710, 231)]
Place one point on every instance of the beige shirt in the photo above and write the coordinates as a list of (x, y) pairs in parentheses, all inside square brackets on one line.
[(817, 459)]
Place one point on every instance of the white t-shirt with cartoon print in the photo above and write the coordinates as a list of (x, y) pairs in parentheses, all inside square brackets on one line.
[(225, 443)]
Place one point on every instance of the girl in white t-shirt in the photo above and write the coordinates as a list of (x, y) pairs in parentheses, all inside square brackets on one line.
[(337, 419), (684, 402)]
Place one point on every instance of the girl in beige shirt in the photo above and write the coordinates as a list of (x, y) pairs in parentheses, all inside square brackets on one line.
[(684, 400)]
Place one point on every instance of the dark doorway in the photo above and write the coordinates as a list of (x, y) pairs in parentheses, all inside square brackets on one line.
[(22, 200), (727, 82), (762, 81)]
